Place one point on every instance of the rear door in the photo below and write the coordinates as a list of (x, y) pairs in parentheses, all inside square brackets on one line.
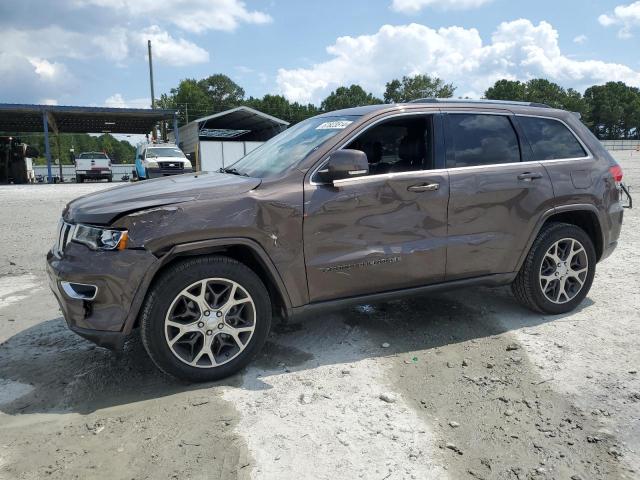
[(497, 196), (385, 231)]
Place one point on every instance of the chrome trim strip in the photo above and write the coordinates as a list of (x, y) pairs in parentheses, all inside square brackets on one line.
[(71, 293), (387, 176)]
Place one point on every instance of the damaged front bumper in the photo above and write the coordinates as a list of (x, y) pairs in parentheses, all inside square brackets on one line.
[(105, 318)]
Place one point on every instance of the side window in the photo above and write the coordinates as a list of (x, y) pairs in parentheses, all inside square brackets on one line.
[(480, 139), (398, 145), (550, 139)]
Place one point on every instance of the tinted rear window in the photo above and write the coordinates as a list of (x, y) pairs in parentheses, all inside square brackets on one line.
[(483, 140), (550, 139)]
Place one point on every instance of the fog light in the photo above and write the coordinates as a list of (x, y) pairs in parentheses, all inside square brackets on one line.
[(79, 291)]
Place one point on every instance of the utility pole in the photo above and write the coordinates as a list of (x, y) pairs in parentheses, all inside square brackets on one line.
[(153, 97)]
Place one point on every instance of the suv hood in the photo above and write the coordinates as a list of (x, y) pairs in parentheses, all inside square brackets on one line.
[(102, 208)]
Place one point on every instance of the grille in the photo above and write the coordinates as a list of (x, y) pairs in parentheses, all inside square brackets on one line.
[(65, 231), (170, 165)]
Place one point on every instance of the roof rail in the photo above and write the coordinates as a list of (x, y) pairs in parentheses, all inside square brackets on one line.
[(483, 102)]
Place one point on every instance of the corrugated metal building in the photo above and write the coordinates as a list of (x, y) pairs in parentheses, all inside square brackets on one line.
[(221, 139)]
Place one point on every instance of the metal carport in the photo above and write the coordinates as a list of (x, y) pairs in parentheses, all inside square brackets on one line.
[(71, 119)]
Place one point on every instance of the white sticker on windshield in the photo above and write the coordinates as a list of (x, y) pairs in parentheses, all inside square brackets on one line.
[(337, 125)]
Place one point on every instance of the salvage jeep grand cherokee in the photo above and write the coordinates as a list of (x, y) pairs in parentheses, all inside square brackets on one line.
[(352, 206)]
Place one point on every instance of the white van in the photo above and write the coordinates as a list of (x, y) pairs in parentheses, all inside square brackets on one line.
[(93, 165)]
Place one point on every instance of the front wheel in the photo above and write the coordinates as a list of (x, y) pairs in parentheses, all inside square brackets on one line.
[(205, 318), (558, 271)]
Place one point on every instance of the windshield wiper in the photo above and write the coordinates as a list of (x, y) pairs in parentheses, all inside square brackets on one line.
[(233, 171)]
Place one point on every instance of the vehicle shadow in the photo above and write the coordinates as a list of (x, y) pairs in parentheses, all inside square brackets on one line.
[(69, 374)]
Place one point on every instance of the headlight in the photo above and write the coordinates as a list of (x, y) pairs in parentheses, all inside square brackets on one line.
[(97, 238), (187, 164), (152, 164)]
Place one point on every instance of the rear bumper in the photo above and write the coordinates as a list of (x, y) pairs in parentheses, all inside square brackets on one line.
[(117, 276), (95, 173), (166, 172)]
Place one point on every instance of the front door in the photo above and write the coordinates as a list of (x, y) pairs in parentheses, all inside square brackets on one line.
[(384, 231), (496, 198)]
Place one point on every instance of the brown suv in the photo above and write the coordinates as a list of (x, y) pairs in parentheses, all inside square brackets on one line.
[(352, 206)]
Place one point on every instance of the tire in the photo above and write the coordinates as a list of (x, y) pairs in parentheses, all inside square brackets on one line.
[(563, 291), (78, 179), (166, 302), (110, 178)]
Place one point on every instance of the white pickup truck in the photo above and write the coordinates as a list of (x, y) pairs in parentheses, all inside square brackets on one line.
[(93, 165)]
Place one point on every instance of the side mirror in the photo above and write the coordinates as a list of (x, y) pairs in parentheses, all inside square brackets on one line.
[(344, 164)]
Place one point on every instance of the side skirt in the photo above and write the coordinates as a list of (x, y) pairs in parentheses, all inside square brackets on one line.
[(494, 280)]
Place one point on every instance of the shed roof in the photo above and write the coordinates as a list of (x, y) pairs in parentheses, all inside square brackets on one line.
[(241, 118), (75, 119)]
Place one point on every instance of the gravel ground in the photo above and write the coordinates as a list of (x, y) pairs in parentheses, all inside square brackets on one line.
[(464, 384)]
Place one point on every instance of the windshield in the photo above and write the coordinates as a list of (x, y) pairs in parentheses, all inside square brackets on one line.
[(291, 146), (96, 156), (164, 152)]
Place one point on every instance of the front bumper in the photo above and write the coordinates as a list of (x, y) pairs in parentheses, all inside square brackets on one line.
[(117, 275), (166, 172)]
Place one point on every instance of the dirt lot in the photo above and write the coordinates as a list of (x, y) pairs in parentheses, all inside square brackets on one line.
[(459, 385)]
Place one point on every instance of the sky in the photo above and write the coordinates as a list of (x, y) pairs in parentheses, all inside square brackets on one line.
[(93, 52)]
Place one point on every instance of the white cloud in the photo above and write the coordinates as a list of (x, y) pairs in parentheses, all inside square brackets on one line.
[(25, 80), (117, 44), (580, 39), (168, 50), (118, 101), (518, 49), (190, 15), (46, 69), (413, 6), (625, 16)]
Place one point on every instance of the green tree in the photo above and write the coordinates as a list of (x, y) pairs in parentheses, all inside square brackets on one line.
[(223, 92), (347, 97), (613, 110), (513, 90), (119, 151), (280, 107), (189, 98), (418, 86), (537, 90)]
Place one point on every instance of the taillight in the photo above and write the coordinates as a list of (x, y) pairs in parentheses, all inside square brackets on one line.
[(616, 173)]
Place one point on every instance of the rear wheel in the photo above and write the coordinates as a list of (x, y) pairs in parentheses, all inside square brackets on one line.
[(558, 271), (205, 318)]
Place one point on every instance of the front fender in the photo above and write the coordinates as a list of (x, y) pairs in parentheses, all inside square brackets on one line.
[(205, 247)]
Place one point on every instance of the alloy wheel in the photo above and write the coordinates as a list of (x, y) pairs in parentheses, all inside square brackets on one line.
[(564, 270), (210, 322)]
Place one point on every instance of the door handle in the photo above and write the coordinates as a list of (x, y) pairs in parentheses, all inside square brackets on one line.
[(424, 187), (528, 176)]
